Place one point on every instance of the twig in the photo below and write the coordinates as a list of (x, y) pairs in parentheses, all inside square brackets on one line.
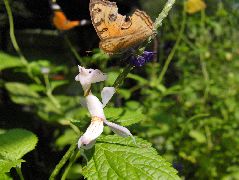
[(19, 172), (168, 6), (72, 160), (63, 160), (122, 76)]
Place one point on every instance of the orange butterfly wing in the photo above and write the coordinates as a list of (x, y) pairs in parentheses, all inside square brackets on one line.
[(62, 23), (118, 33)]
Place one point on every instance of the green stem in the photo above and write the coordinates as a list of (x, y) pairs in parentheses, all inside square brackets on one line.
[(158, 22), (19, 172), (72, 160), (122, 76), (64, 159), (49, 92), (15, 44), (73, 50), (168, 6), (12, 34), (171, 55)]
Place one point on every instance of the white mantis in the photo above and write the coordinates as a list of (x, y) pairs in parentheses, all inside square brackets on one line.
[(96, 108)]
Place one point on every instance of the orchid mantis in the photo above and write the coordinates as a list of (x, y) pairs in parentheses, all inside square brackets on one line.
[(96, 107)]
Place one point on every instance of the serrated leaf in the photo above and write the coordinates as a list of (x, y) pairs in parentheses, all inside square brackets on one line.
[(8, 61), (118, 158), (21, 93), (122, 116), (15, 143)]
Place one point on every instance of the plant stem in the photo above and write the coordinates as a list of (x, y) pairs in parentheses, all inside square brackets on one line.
[(12, 35), (15, 44), (19, 172), (158, 22), (72, 160), (73, 50), (64, 159), (49, 92), (122, 76), (168, 6), (171, 55)]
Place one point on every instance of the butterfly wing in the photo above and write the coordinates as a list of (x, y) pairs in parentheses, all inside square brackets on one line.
[(117, 32)]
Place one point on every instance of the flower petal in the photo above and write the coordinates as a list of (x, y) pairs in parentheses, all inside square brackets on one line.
[(93, 131), (119, 130), (89, 76), (106, 94), (94, 106)]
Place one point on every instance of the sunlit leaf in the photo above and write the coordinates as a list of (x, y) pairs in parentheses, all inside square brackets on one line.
[(124, 116), (14, 144), (118, 158)]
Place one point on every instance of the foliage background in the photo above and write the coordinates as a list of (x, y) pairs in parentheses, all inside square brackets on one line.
[(190, 114)]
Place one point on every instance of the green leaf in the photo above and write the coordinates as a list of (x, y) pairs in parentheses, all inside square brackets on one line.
[(118, 158), (6, 165), (124, 117), (4, 176), (55, 84), (21, 93), (8, 61), (15, 143)]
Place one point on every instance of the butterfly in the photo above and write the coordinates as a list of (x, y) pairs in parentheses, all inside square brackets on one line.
[(118, 33), (60, 20)]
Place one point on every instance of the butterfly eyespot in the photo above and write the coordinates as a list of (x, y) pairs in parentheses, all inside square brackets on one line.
[(90, 71), (127, 23), (112, 17)]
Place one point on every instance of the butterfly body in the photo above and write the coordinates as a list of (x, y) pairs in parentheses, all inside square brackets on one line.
[(117, 32)]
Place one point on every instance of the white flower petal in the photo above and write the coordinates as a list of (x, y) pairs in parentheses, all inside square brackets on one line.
[(89, 76), (93, 131), (106, 94), (94, 106), (97, 75), (120, 130)]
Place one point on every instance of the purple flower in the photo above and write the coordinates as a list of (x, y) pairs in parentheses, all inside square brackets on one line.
[(139, 61)]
